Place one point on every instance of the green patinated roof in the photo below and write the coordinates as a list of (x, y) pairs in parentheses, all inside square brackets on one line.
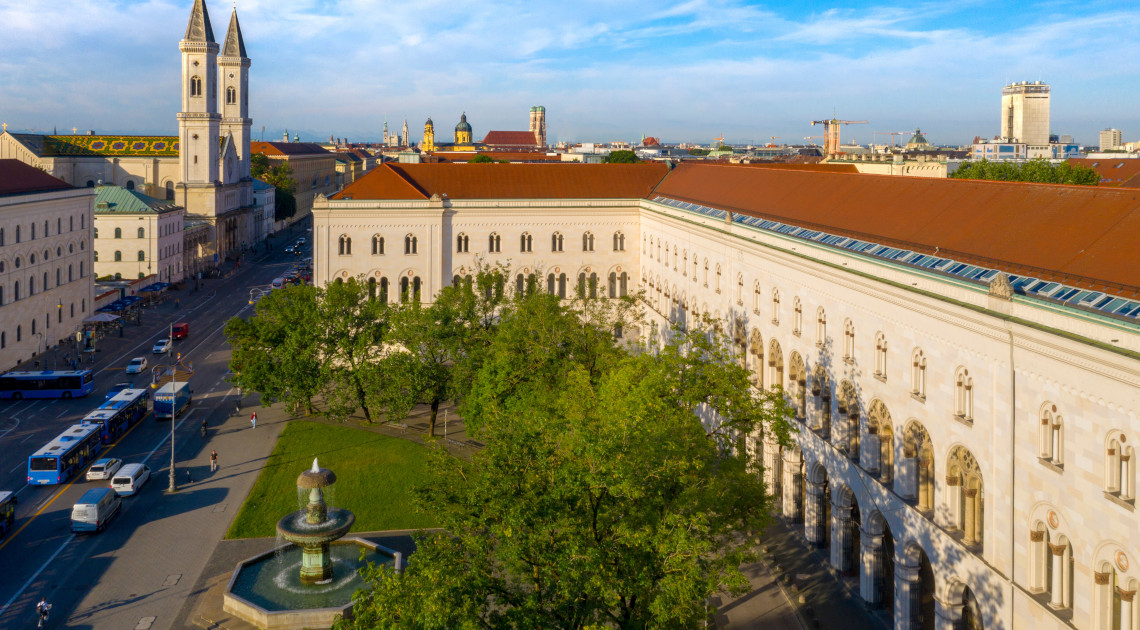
[(61, 146), (119, 200)]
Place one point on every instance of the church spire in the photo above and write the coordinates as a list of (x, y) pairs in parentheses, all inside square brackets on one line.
[(235, 44), (199, 29)]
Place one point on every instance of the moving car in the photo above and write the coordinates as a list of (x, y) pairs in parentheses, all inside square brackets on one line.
[(161, 346), (104, 469), (137, 365), (290, 249), (301, 241), (180, 330), (131, 479), (94, 510)]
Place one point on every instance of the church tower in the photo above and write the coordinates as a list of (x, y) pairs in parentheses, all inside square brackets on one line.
[(198, 121), (233, 64), (404, 142), (463, 130), (429, 136), (538, 126)]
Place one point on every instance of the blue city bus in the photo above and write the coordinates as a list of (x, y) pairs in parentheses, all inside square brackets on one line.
[(47, 384), (62, 457), (119, 413)]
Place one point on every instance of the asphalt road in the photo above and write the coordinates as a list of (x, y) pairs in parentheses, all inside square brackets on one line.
[(41, 557)]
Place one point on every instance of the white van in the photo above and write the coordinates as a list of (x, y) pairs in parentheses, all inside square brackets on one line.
[(278, 283), (130, 479), (94, 510)]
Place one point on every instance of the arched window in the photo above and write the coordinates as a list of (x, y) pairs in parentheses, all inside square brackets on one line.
[(195, 85), (881, 356), (377, 245), (404, 286), (755, 294), (462, 243), (46, 231), (588, 242), (694, 266), (58, 277), (718, 278), (776, 306), (1119, 467), (556, 242), (797, 385), (411, 244), (965, 495), (231, 95), (526, 242), (1051, 436), (878, 451), (619, 242), (372, 288), (96, 254), (623, 284), (849, 409), (344, 245), (17, 234), (848, 341), (739, 289), (142, 255), (1051, 565), (70, 274), (16, 291), (19, 333), (775, 365), (918, 374), (820, 327), (1, 237), (118, 256), (142, 232), (33, 231), (562, 285), (118, 232), (494, 243), (918, 466), (96, 232), (130, 184), (963, 395)]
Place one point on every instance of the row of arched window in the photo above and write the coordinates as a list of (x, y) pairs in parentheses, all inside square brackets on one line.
[(344, 245), (44, 286), (19, 331), (18, 230), (526, 242), (18, 261)]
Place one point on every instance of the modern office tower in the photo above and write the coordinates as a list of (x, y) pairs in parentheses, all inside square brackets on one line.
[(1025, 113)]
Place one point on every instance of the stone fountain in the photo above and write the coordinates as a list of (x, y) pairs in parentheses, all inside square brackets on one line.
[(270, 592)]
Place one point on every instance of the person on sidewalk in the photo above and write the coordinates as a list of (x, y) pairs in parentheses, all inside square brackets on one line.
[(213, 461), (253, 419)]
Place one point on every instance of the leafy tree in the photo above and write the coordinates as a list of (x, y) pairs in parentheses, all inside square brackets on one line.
[(280, 176), (352, 332), (698, 152), (622, 157), (481, 159), (724, 147), (1039, 171), (616, 488)]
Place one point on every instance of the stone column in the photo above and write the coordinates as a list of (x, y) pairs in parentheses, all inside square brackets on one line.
[(908, 604), (1126, 598), (925, 487), (970, 518), (813, 513), (841, 537), (1056, 596), (947, 616), (772, 466), (871, 571), (907, 482), (793, 485)]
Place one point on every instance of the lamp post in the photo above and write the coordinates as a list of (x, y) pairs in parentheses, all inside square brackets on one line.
[(174, 386)]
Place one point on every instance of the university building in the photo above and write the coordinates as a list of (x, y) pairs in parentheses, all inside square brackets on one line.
[(963, 357)]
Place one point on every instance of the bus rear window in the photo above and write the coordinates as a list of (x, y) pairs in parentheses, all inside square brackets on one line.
[(42, 463)]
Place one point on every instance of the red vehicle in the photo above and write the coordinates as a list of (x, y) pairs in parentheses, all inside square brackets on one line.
[(180, 330)]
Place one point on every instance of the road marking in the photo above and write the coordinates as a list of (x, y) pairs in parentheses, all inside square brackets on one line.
[(167, 437), (14, 426), (61, 413), (37, 573), (26, 438), (18, 466)]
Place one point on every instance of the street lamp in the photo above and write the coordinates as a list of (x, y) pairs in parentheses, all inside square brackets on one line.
[(173, 402), (257, 293)]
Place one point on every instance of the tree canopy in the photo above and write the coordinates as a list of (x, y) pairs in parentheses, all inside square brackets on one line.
[(1040, 171), (622, 157), (280, 176), (481, 159)]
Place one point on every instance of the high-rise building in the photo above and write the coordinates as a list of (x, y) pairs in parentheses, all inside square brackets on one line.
[(1025, 113), (1111, 139)]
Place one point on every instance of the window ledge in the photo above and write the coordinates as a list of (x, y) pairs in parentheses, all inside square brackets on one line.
[(919, 397), (882, 378), (849, 360), (1128, 504), (775, 322), (964, 420), (1048, 463), (796, 333), (819, 344)]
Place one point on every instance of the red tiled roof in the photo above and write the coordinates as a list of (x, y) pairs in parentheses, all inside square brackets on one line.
[(510, 156), (1120, 172), (806, 166), (17, 178), (287, 148), (1081, 235), (510, 138), (507, 181)]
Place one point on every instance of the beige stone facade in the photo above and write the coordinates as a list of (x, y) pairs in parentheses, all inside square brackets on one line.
[(138, 244), (46, 280)]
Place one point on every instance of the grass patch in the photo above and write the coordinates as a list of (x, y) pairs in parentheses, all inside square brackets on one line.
[(375, 474)]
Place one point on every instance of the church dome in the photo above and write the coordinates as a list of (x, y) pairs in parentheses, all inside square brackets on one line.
[(918, 139), (463, 124)]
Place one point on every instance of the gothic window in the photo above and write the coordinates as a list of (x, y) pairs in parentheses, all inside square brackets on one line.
[(775, 365), (462, 244), (694, 266), (70, 274), (878, 451), (797, 385), (755, 296), (195, 85), (848, 341), (1051, 435), (849, 408), (118, 256), (562, 285), (410, 244), (674, 257), (588, 242), (881, 356), (231, 95), (718, 278), (918, 466), (345, 245), (142, 256), (494, 243), (556, 242), (820, 327), (739, 289), (142, 232), (918, 374), (965, 495), (377, 245), (1119, 467), (118, 232), (619, 242), (33, 231), (1, 237), (964, 395), (776, 306), (46, 229), (797, 317), (526, 242), (706, 282), (17, 234)]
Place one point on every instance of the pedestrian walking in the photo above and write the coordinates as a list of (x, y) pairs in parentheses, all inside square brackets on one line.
[(189, 479), (253, 419), (213, 461), (177, 303)]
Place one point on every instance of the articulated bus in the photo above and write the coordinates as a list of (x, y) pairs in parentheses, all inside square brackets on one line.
[(47, 384), (62, 457), (119, 413)]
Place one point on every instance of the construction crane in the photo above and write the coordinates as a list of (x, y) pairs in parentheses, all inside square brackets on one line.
[(831, 133), (810, 138), (719, 142), (772, 141), (893, 134)]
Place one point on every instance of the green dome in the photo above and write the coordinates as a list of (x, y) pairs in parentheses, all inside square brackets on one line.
[(917, 138), (463, 124)]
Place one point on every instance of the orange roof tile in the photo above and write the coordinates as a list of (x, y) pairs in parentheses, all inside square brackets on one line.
[(287, 148), (510, 138), (1121, 172), (507, 181), (1078, 234)]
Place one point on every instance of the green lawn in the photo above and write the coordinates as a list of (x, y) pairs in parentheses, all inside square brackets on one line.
[(375, 474)]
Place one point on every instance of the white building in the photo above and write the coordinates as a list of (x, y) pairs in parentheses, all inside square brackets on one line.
[(964, 356), (46, 285), (137, 236)]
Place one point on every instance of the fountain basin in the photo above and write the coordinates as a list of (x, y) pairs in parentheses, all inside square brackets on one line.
[(267, 591)]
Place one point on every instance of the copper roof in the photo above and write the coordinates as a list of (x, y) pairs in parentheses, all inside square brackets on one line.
[(507, 181), (1120, 172), (1077, 234), (17, 178), (287, 148), (510, 138)]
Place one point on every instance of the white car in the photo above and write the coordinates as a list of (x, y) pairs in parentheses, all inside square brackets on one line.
[(104, 469), (137, 364), (161, 346)]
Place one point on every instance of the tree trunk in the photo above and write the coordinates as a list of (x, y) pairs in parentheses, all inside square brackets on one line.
[(361, 400), (434, 413)]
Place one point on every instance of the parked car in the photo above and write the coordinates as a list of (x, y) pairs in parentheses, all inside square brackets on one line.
[(161, 346), (138, 364), (118, 387), (130, 479), (104, 469)]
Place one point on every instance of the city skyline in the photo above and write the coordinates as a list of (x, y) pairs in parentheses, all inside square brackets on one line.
[(685, 71)]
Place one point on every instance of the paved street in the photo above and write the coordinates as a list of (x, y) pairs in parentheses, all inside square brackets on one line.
[(139, 571)]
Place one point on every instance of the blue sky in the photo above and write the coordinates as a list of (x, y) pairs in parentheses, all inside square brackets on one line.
[(684, 70)]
